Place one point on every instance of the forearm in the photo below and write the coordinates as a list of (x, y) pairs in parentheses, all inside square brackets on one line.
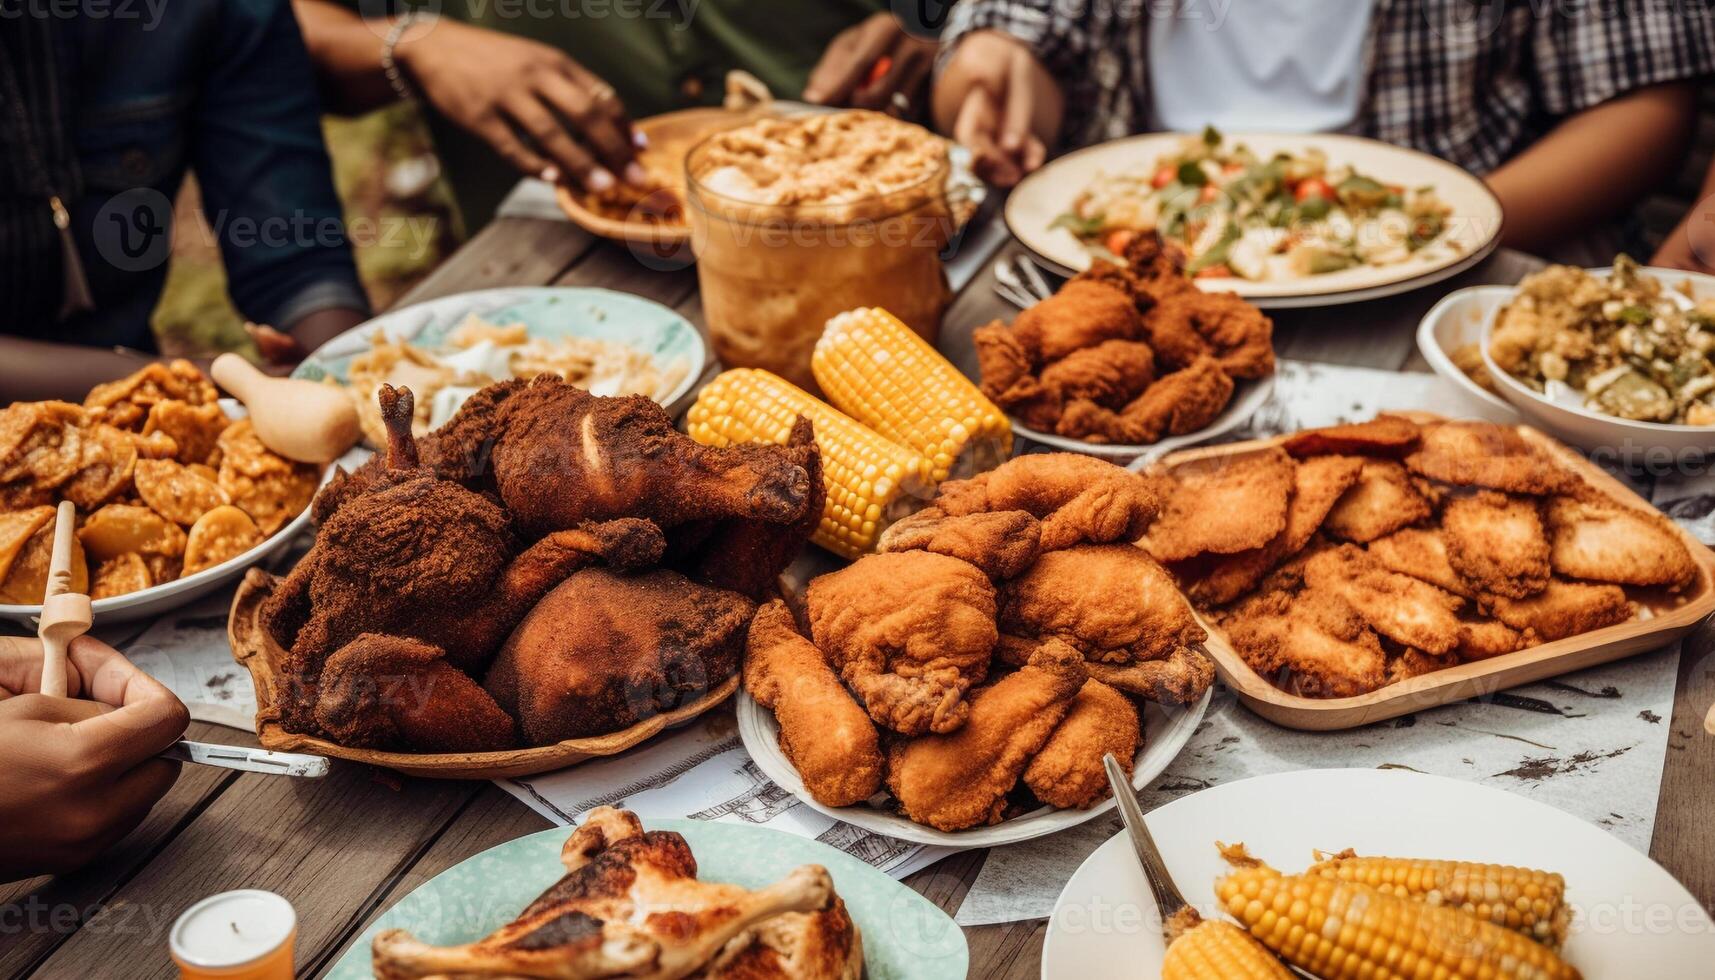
[(346, 50), (315, 329), (1594, 165), (37, 370)]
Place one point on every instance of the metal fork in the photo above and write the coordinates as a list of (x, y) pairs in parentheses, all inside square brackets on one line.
[(1019, 280)]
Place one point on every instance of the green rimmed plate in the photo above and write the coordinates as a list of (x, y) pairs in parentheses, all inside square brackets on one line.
[(905, 937)]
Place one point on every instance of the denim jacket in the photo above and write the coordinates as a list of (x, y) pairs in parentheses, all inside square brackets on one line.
[(225, 88)]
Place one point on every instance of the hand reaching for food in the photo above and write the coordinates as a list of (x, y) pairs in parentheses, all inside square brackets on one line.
[(874, 64), (998, 100)]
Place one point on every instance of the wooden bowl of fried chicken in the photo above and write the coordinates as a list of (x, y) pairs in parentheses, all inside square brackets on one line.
[(549, 577)]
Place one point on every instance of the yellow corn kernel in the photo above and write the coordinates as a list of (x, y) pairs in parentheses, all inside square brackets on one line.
[(1220, 951), (1523, 899), (875, 369), (871, 482)]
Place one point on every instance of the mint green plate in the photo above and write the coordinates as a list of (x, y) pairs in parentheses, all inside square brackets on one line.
[(904, 936)]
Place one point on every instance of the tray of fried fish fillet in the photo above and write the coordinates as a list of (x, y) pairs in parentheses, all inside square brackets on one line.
[(1356, 573)]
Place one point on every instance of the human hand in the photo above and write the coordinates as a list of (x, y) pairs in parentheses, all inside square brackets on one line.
[(80, 772), (996, 99), (866, 65), (1691, 245), (542, 111)]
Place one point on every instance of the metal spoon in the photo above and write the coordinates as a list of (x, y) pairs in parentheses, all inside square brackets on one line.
[(247, 759)]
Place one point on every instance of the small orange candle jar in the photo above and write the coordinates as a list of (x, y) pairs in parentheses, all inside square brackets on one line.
[(239, 935)]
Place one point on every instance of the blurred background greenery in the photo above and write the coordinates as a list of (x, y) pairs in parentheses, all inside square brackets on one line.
[(399, 211)]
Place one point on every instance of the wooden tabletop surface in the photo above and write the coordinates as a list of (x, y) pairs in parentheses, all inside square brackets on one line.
[(345, 848)]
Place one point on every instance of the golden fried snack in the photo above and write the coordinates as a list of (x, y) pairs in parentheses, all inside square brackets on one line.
[(1313, 644), (1002, 543), (126, 403), (1224, 506), (1111, 602), (223, 532), (1170, 333), (268, 487), (1007, 370), (1411, 663), (1422, 554), (1399, 607), (108, 465), (1068, 772), (16, 529), (824, 731), (1497, 543), (1484, 454), (1237, 334), (27, 579), (1111, 373), (395, 692), (194, 429), (1385, 435), (205, 471), (122, 575), (175, 492), (1480, 639), (1181, 678), (1380, 503), (41, 447), (1077, 498), (1178, 403), (1595, 538), (1082, 314), (119, 528), (1562, 609)]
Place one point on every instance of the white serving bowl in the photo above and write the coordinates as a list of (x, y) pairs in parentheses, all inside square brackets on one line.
[(1606, 436), (1452, 323)]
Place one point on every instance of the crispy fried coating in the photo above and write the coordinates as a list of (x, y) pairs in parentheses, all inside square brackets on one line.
[(1181, 678), (1112, 603), (1497, 543), (194, 429), (119, 575), (41, 447), (1237, 334), (1317, 483), (1484, 454), (1181, 402), (1594, 538), (1082, 314), (1224, 505), (910, 632), (1068, 772), (1562, 609), (1170, 332), (1480, 639), (1002, 543), (1422, 554), (109, 464), (1403, 609), (392, 692), (1391, 436), (1411, 663), (1111, 373), (823, 731), (960, 780), (1380, 503), (1009, 378), (1312, 644), (1077, 498)]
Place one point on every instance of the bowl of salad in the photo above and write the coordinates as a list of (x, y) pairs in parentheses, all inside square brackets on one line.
[(1282, 220)]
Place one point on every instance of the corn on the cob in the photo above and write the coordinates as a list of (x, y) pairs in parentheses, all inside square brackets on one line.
[(871, 482), (875, 369), (1529, 901), (1220, 951), (1342, 931)]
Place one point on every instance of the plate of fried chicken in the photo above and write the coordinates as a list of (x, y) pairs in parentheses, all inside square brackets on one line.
[(673, 898), (961, 685), (1356, 573), (549, 576), (1129, 359)]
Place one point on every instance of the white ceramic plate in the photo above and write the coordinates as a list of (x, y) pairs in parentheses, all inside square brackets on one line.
[(1474, 225), (1164, 734), (158, 599), (1633, 919), (547, 311), (1605, 435), (1248, 396)]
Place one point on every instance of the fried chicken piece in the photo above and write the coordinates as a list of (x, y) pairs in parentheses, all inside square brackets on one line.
[(1484, 454), (1594, 538), (909, 632), (1077, 498), (1111, 373), (1110, 602), (961, 779), (1403, 609), (605, 651), (1170, 332), (1497, 543), (1068, 772), (1392, 436), (1380, 503), (1183, 677), (1157, 265), (392, 692), (1082, 314), (1009, 378), (1411, 663), (826, 734), (1003, 543), (1562, 609), (1224, 505), (1480, 639), (1181, 402), (1313, 644), (1316, 484), (1422, 554), (1143, 292), (1238, 335)]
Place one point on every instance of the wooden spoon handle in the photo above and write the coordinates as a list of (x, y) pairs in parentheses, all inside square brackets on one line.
[(236, 375), (53, 665), (59, 582)]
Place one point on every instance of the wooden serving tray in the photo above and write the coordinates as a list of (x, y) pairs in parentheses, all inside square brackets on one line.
[(257, 651), (1666, 618)]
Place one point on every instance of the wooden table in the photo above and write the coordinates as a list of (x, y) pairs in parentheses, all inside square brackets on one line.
[(344, 848)]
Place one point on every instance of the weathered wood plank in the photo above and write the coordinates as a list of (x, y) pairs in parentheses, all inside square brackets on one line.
[(508, 252), (613, 266), (1007, 952), (1684, 841)]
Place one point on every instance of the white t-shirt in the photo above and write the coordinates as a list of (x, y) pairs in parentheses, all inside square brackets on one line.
[(1290, 66)]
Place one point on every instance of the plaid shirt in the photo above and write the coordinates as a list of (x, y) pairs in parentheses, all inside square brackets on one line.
[(1471, 81)]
